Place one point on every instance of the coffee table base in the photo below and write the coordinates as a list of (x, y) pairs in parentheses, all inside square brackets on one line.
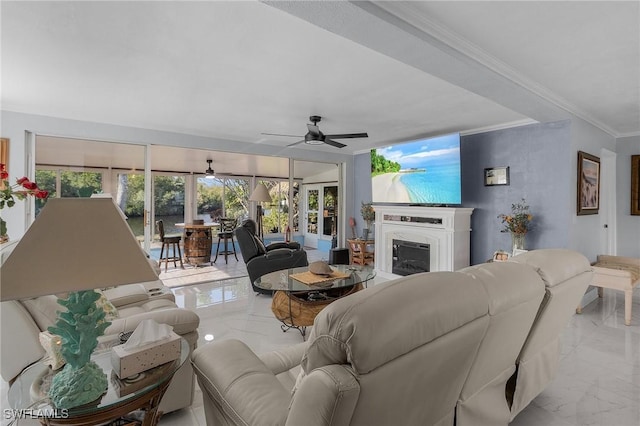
[(299, 309)]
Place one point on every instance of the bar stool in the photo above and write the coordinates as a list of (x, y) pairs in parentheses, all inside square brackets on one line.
[(227, 226), (169, 241)]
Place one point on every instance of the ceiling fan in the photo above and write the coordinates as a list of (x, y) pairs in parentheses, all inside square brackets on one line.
[(315, 137)]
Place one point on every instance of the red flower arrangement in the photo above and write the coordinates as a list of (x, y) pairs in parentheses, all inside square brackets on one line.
[(21, 190)]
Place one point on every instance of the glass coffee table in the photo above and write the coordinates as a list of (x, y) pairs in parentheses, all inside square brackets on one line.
[(296, 303), (28, 393)]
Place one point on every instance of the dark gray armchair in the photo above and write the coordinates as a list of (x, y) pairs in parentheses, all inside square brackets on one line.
[(261, 259)]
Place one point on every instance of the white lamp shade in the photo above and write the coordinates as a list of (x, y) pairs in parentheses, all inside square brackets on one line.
[(74, 244), (260, 193)]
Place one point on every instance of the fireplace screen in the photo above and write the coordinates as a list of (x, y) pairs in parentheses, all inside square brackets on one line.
[(410, 258)]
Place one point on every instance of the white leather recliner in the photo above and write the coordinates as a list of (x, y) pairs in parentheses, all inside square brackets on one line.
[(438, 348), (566, 275), (396, 353)]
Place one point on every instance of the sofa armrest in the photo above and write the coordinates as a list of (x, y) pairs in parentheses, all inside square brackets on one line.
[(183, 321), (238, 386), (279, 253), (278, 261), (124, 295), (327, 396), (293, 245), (285, 359), (20, 344)]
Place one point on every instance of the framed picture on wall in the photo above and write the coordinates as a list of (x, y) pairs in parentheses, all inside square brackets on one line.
[(635, 185), (496, 176), (4, 156), (588, 184)]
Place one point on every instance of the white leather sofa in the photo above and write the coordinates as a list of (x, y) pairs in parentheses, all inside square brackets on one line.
[(21, 322), (471, 347)]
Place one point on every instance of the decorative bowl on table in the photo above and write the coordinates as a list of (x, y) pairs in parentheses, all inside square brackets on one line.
[(320, 267)]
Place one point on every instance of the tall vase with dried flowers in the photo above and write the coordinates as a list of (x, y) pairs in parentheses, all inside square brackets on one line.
[(518, 223), (9, 193), (369, 215)]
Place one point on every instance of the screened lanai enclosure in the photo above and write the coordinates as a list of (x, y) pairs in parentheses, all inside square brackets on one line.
[(152, 182)]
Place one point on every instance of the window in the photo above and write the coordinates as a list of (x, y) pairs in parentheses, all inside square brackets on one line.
[(223, 197), (295, 226), (276, 213), (236, 199), (168, 201), (80, 184), (129, 197), (209, 198), (330, 210), (46, 180), (71, 184)]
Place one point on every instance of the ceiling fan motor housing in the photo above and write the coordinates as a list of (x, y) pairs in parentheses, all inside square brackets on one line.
[(315, 119)]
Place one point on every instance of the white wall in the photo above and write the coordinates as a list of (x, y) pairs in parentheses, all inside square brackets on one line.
[(326, 176), (584, 231), (628, 225)]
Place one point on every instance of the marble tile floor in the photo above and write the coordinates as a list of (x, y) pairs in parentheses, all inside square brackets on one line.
[(178, 277), (598, 382)]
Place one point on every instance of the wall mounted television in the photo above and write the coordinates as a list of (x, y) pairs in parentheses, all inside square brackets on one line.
[(420, 172)]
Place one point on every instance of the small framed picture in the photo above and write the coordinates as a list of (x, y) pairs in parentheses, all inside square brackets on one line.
[(4, 157), (588, 184), (635, 185), (501, 256), (496, 176)]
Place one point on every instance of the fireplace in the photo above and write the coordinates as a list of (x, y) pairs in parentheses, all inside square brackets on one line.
[(409, 257), (433, 239)]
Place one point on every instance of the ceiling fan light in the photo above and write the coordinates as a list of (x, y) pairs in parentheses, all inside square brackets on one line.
[(312, 139), (210, 174)]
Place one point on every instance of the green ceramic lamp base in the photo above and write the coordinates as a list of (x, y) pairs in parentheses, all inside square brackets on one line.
[(77, 386), (82, 380)]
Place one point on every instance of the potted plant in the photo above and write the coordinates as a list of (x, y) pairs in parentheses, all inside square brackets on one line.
[(518, 223)]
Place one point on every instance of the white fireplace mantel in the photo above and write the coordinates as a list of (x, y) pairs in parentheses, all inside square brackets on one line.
[(447, 230)]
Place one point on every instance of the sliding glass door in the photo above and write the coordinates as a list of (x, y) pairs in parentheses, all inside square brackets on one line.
[(311, 216), (321, 215), (168, 201)]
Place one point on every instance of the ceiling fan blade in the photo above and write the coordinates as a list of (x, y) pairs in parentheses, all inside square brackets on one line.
[(296, 143), (313, 129), (278, 134), (333, 143), (348, 136)]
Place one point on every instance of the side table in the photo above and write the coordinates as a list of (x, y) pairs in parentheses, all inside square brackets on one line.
[(198, 241), (28, 393), (360, 253)]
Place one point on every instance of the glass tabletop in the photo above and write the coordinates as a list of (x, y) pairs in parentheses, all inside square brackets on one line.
[(29, 390), (343, 276)]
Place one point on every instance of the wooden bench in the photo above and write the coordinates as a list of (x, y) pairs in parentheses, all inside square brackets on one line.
[(618, 273)]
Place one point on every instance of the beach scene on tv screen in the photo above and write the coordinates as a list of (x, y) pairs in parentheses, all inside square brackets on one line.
[(422, 172)]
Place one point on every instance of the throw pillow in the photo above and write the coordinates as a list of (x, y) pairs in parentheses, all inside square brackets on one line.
[(110, 311)]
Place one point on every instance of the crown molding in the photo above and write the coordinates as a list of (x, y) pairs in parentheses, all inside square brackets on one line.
[(496, 127)]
